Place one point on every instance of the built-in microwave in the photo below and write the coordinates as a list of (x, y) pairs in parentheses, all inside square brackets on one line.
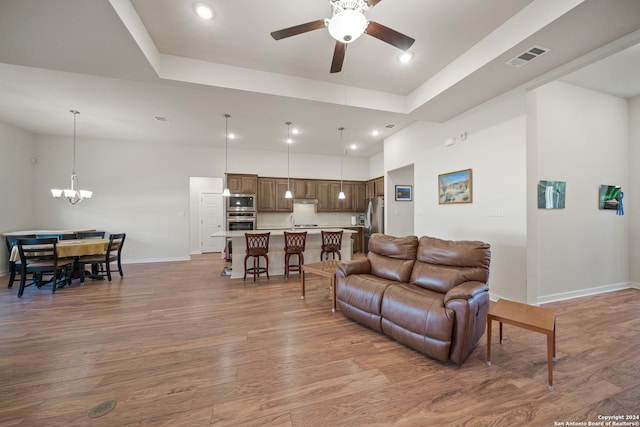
[(241, 203)]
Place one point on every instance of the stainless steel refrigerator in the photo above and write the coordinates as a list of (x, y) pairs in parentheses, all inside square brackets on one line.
[(373, 219)]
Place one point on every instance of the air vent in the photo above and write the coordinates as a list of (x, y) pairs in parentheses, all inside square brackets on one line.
[(528, 56), (161, 119), (390, 126)]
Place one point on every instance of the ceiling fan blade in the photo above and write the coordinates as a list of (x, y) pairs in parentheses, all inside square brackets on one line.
[(338, 57), (390, 36), (298, 29), (372, 3)]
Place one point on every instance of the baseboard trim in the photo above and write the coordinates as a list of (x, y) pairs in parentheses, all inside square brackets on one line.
[(587, 292)]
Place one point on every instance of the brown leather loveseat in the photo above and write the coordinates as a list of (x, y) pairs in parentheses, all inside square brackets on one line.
[(429, 294)]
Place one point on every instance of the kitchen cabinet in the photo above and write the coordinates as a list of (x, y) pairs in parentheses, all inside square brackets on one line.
[(379, 187), (328, 201), (359, 197), (304, 188), (357, 239), (374, 187), (271, 195), (242, 183)]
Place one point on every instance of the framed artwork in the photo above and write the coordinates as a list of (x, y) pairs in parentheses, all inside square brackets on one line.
[(552, 194), (404, 193), (455, 187), (610, 196)]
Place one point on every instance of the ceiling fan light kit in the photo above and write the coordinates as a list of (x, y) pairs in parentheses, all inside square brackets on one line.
[(347, 23)]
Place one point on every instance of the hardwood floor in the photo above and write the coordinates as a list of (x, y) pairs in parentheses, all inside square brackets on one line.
[(176, 344)]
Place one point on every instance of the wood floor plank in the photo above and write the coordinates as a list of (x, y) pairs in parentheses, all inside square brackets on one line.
[(177, 344)]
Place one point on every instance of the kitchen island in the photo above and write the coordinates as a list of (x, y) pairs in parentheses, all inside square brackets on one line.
[(276, 248)]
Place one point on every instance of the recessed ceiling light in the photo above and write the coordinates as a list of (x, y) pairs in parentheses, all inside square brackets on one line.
[(405, 57), (232, 136), (295, 131), (375, 132), (204, 11), (354, 146), (289, 141)]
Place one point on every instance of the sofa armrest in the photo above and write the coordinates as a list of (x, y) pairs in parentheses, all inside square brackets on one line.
[(359, 266), (466, 291)]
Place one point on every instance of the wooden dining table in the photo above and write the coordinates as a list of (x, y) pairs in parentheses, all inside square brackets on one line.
[(72, 248)]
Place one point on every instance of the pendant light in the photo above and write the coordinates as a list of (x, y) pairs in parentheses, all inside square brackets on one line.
[(288, 194), (226, 192), (72, 194), (341, 195)]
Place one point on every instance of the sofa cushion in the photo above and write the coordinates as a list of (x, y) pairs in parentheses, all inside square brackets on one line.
[(360, 298), (441, 265), (418, 318), (392, 257)]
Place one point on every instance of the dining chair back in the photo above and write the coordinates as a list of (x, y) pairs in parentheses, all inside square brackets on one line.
[(257, 246), (331, 244), (59, 236), (101, 264), (294, 244), (90, 234), (38, 256), (14, 266)]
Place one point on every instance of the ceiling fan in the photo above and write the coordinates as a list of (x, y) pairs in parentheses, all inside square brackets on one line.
[(347, 23)]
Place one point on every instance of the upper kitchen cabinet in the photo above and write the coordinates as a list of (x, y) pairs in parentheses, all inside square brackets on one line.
[(359, 197), (328, 200), (271, 195), (304, 189), (242, 183), (374, 187)]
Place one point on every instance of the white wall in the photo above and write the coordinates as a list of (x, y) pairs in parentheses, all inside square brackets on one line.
[(399, 215), (143, 188), (631, 199), (495, 151), (17, 148), (582, 138)]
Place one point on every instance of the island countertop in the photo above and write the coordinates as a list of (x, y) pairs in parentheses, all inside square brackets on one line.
[(276, 247), (280, 231)]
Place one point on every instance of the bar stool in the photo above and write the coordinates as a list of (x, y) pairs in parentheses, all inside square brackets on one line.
[(293, 245), (257, 246), (331, 244)]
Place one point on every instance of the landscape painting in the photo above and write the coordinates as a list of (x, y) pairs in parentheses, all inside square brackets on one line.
[(455, 187)]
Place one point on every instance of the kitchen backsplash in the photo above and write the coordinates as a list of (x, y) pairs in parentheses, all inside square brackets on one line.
[(304, 214)]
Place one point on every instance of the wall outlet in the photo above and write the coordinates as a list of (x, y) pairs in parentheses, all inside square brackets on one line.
[(496, 212)]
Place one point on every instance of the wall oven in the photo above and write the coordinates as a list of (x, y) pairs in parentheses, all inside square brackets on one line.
[(241, 203), (241, 221)]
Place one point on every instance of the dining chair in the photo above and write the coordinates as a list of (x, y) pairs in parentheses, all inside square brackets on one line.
[(294, 243), (38, 256), (14, 266), (257, 246), (59, 236), (101, 264), (331, 244)]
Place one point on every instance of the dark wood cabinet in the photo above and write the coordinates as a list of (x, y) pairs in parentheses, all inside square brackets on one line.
[(374, 187), (357, 239), (323, 192), (271, 193), (242, 183), (304, 188), (359, 197)]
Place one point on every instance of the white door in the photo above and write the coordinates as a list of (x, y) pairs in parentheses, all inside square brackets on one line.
[(211, 221)]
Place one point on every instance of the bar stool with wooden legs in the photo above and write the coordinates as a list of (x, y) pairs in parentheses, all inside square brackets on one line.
[(331, 244), (293, 245), (257, 246)]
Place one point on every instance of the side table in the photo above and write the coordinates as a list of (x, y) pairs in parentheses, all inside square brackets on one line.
[(326, 269), (529, 317)]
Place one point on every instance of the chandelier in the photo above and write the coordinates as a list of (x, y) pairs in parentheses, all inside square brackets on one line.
[(72, 194)]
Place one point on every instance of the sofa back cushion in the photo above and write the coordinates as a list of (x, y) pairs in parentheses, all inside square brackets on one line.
[(392, 257), (443, 264)]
